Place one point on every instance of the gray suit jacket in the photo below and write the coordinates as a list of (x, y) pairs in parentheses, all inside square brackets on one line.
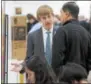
[(35, 45)]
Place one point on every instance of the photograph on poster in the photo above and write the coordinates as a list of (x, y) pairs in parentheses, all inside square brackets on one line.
[(19, 33)]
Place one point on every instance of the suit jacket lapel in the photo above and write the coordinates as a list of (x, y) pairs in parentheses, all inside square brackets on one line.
[(41, 44)]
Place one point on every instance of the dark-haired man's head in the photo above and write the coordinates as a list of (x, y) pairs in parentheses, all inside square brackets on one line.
[(70, 10), (73, 74)]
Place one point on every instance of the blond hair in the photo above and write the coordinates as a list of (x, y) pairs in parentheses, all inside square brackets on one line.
[(44, 10)]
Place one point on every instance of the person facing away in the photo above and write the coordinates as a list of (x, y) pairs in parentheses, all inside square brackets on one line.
[(73, 74), (37, 71), (71, 43), (39, 42)]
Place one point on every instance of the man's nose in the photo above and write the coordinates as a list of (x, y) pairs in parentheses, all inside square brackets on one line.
[(47, 20)]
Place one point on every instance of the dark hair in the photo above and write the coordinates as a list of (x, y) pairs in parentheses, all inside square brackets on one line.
[(41, 73), (72, 8), (30, 16), (71, 72)]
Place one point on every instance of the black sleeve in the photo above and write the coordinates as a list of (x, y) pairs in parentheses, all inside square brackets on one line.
[(58, 49), (90, 28), (89, 56)]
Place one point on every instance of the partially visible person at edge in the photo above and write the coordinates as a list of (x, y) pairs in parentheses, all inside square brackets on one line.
[(31, 21), (73, 74)]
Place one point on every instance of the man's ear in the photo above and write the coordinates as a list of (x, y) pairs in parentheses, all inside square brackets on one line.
[(67, 13)]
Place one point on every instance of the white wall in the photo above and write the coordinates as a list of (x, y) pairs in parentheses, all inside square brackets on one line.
[(31, 6), (84, 8)]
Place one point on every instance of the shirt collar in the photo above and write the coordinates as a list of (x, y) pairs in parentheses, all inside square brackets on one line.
[(44, 30), (71, 20)]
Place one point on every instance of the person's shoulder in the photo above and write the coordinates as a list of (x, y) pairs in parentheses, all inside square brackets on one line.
[(61, 30), (38, 24), (73, 26), (35, 27), (34, 32), (68, 25)]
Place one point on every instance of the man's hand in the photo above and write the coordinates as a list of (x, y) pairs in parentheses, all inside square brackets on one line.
[(16, 67)]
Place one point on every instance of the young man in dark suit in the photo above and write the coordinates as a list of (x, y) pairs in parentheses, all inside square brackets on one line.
[(39, 42), (71, 43)]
